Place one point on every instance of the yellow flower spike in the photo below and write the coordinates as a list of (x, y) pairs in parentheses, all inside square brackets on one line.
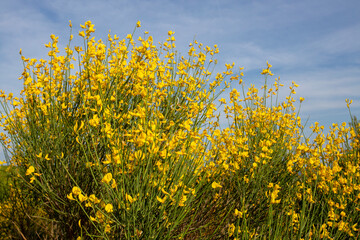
[(216, 185), (138, 24), (70, 24), (109, 208), (30, 170)]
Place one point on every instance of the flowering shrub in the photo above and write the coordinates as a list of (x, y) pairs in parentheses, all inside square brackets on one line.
[(130, 146)]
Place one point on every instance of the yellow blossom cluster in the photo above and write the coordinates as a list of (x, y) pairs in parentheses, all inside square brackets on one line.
[(131, 145)]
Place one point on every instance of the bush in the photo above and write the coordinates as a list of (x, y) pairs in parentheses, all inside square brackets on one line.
[(130, 146)]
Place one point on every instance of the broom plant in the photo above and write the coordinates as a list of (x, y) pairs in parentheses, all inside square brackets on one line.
[(130, 146)]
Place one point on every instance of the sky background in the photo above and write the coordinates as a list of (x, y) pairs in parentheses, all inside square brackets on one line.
[(314, 43)]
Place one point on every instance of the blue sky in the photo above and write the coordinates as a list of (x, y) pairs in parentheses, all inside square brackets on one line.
[(314, 43)]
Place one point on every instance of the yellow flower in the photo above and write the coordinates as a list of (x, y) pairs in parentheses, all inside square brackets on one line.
[(76, 191), (162, 200), (93, 198), (274, 195), (268, 65), (107, 178), (70, 196), (32, 179), (265, 71), (138, 24), (238, 213), (129, 198), (182, 200), (30, 170), (107, 228), (82, 197), (222, 100), (95, 121), (113, 185), (15, 103), (109, 207), (215, 185), (77, 128), (231, 229)]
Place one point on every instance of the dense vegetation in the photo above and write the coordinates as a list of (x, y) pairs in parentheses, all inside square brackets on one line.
[(131, 146)]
